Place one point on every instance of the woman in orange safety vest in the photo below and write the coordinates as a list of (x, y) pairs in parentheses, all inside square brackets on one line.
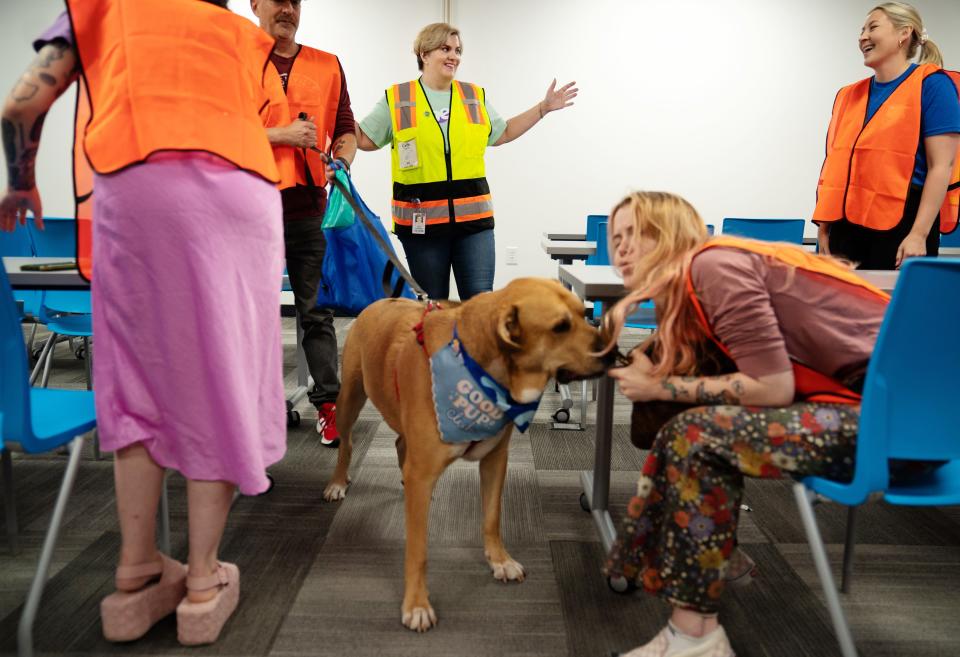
[(890, 183), (799, 328), (187, 245)]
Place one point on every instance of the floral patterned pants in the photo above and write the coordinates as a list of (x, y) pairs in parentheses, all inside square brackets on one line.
[(681, 526)]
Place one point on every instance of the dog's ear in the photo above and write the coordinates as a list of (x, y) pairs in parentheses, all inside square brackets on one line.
[(508, 327)]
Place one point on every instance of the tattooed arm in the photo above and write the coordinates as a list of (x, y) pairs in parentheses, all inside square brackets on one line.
[(637, 384), (48, 76), (344, 148)]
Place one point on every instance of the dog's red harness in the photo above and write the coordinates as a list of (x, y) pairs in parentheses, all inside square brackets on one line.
[(418, 330)]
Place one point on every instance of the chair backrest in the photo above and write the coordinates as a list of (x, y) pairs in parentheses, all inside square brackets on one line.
[(599, 235), (951, 239), (14, 387), (710, 229), (592, 221), (909, 398), (59, 239), (17, 243), (769, 230)]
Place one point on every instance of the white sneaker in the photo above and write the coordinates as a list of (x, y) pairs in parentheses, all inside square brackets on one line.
[(716, 645)]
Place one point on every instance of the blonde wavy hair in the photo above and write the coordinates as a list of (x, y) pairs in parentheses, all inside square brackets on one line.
[(903, 15)]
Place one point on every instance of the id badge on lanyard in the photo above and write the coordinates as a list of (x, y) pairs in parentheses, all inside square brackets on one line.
[(419, 226)]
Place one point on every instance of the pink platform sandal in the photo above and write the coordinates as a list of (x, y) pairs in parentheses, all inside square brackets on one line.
[(199, 623), (128, 615)]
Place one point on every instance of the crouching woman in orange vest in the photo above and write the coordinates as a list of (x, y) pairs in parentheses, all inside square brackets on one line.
[(890, 183), (187, 244), (800, 329)]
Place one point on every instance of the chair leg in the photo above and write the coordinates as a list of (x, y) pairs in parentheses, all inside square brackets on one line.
[(25, 630), (846, 578), (38, 367), (583, 403), (88, 365), (164, 512), (9, 506), (33, 337), (805, 499), (48, 365)]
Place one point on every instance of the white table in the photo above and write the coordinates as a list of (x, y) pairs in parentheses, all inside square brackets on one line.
[(575, 237), (42, 280), (601, 283), (566, 251)]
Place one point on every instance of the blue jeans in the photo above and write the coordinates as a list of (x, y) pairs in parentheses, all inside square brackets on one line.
[(472, 257)]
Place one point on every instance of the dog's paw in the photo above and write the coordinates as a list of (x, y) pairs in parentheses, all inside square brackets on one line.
[(508, 570), (419, 619), (335, 492)]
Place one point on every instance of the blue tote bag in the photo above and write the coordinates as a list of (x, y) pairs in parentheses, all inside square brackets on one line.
[(355, 266)]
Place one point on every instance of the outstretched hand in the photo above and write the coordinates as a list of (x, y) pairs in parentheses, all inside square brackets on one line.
[(556, 99), (14, 206)]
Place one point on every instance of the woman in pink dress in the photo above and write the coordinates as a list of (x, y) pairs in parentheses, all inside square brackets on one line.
[(188, 247)]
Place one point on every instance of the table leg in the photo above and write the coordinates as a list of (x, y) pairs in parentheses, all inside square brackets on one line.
[(596, 484)]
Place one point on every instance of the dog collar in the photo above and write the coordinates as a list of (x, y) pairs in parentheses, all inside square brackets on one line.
[(470, 404)]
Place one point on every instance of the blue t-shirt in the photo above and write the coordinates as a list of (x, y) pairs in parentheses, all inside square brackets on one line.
[(939, 111)]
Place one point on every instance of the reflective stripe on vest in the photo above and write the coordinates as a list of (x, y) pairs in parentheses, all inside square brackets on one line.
[(147, 64), (471, 101), (405, 104), (443, 182), (868, 168), (438, 212), (809, 384), (313, 87)]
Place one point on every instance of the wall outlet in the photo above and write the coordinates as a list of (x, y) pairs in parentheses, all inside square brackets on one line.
[(511, 256)]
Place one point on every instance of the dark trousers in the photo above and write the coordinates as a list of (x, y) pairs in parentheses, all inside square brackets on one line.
[(305, 246), (877, 249)]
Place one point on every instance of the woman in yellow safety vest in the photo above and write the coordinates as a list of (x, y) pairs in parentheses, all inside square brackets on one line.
[(799, 329), (890, 183), (438, 129)]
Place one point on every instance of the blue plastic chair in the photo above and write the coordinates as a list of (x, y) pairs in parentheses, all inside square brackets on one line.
[(39, 420), (65, 312), (908, 412), (768, 230), (17, 243), (644, 316), (951, 239)]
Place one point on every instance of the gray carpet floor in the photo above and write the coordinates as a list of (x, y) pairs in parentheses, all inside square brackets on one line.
[(326, 579)]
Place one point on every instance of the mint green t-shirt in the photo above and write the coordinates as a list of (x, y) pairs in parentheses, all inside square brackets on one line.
[(379, 128)]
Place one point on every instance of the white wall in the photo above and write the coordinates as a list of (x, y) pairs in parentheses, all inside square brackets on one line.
[(726, 103)]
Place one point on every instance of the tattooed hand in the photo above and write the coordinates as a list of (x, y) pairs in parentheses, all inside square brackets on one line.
[(634, 380), (14, 206)]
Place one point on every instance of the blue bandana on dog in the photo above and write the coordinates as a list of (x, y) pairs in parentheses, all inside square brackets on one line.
[(470, 405)]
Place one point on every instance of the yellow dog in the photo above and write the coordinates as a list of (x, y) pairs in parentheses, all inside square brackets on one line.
[(400, 356)]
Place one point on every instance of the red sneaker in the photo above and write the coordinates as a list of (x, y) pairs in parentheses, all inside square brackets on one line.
[(327, 425)]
